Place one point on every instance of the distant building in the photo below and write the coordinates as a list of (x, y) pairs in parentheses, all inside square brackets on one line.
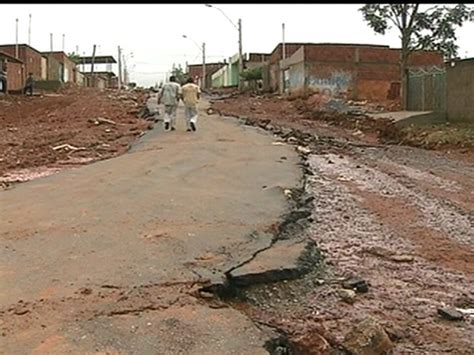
[(32, 59), (13, 69), (195, 72), (348, 71), (228, 75), (60, 67)]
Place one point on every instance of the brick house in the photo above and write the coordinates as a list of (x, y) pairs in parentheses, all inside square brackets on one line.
[(31, 58), (195, 72), (60, 67), (348, 71), (14, 70)]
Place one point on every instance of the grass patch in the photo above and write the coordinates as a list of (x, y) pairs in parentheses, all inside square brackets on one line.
[(436, 136)]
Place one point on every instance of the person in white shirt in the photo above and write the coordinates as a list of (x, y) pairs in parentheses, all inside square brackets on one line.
[(169, 96)]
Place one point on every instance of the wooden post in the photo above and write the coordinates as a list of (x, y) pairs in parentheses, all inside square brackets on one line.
[(92, 67)]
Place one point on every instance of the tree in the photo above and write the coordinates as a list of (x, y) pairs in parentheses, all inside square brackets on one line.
[(432, 29), (179, 73), (252, 74), (76, 58)]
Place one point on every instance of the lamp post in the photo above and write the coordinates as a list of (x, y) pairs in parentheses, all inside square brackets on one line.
[(203, 50), (239, 29)]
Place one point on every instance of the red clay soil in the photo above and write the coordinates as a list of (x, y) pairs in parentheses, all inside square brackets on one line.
[(300, 114), (31, 127)]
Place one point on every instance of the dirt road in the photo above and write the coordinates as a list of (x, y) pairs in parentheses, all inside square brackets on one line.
[(108, 257), (117, 256), (400, 218)]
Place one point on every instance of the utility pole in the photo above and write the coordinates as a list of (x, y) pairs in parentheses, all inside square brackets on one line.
[(16, 40), (92, 67), (50, 42), (125, 81), (204, 65), (241, 60), (283, 40), (29, 30), (283, 55), (64, 39), (119, 68)]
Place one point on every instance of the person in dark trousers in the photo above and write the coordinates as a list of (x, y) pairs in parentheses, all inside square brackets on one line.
[(30, 82)]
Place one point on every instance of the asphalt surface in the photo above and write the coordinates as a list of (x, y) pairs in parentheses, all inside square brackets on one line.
[(106, 257)]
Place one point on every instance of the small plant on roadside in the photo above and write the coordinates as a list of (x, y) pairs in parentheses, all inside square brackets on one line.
[(252, 74)]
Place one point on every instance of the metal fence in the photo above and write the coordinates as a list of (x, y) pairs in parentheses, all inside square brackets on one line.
[(427, 89)]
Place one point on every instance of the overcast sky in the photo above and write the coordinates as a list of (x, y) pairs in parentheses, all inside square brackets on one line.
[(153, 32)]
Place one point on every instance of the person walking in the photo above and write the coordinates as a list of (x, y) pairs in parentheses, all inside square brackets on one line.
[(191, 94), (169, 96), (30, 83)]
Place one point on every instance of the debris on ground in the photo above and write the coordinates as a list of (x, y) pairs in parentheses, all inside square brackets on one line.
[(450, 314), (66, 128), (400, 216), (367, 338)]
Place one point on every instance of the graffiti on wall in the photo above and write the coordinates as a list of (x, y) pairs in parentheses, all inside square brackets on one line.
[(338, 84), (330, 93)]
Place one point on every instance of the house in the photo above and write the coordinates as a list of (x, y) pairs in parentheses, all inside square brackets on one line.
[(228, 75), (99, 77), (14, 71), (60, 67), (111, 78), (195, 71), (32, 59), (345, 71), (96, 79)]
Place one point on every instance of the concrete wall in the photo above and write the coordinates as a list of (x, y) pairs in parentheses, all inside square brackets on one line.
[(44, 68), (274, 63), (79, 79), (14, 70), (460, 91), (68, 66), (54, 69), (49, 85), (357, 72), (195, 71), (15, 74)]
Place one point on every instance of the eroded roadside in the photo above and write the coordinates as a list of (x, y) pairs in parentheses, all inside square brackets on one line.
[(401, 219)]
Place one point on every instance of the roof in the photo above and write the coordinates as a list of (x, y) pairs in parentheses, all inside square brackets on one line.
[(454, 60), (11, 58), (329, 44), (20, 45), (100, 59), (200, 65), (257, 53), (55, 52), (108, 73)]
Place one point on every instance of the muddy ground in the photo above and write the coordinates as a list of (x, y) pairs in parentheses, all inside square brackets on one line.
[(46, 132), (357, 125), (400, 218)]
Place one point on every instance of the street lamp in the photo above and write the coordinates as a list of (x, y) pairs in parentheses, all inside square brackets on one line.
[(203, 84), (239, 29)]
